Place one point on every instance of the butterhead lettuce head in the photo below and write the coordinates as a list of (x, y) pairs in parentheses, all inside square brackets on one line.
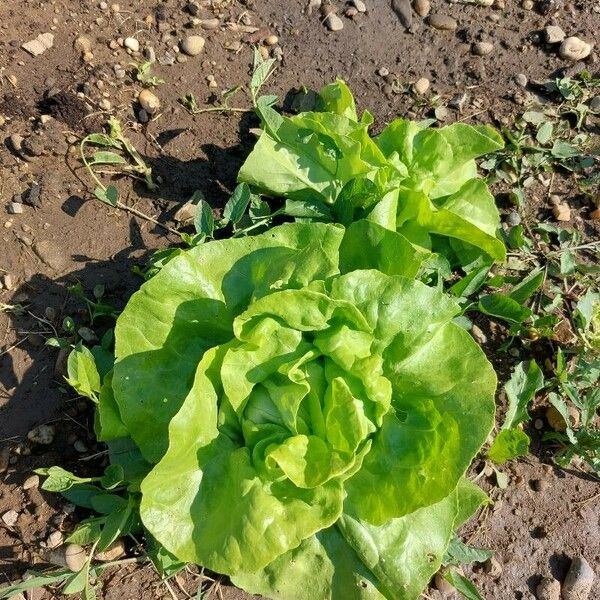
[(308, 423)]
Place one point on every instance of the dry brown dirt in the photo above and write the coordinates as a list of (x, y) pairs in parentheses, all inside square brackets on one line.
[(533, 533)]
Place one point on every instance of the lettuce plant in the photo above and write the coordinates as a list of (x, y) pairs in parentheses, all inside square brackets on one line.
[(293, 420), (419, 180)]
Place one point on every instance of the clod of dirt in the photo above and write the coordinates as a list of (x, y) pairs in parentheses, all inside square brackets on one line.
[(10, 518), (113, 552), (574, 48), (42, 434), (149, 101), (578, 584), (50, 254), (192, 45), (422, 7), (75, 557), (32, 196), (442, 22), (66, 107), (595, 215), (403, 11), (548, 589)]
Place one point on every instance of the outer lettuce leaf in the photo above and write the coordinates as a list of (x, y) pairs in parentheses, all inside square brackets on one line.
[(356, 561)]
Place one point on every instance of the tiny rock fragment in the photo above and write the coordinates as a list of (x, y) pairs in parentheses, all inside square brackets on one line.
[(149, 101), (548, 589), (10, 518), (422, 7), (579, 580), (113, 552), (16, 142), (333, 22), (32, 196), (75, 557), (442, 22), (574, 49), (403, 11), (422, 86), (42, 434), (39, 45), (561, 212), (459, 101), (192, 45), (553, 34), (482, 48), (271, 40)]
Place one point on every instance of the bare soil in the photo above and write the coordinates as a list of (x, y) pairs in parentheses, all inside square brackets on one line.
[(533, 533)]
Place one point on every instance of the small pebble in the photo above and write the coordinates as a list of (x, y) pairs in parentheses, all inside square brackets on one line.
[(561, 212), (42, 434), (333, 22), (31, 482), (422, 7), (492, 567), (579, 580), (482, 48), (15, 208), (75, 557), (478, 334), (527, 4), (83, 44), (271, 40), (115, 551), (210, 24), (521, 80), (54, 540), (422, 86), (442, 22), (359, 5), (149, 101), (132, 44), (192, 45), (574, 49)]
